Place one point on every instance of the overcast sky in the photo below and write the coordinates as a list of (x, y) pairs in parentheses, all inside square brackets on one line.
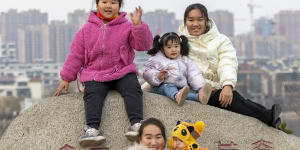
[(58, 9)]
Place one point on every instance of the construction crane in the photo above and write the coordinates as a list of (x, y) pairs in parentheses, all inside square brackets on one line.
[(251, 8)]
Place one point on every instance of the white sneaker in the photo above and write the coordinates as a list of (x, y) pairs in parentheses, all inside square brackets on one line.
[(92, 138), (132, 134)]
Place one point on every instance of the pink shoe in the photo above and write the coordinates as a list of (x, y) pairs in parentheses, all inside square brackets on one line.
[(182, 94), (204, 93)]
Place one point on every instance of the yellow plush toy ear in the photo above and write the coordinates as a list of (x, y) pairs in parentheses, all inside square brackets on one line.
[(199, 127), (170, 143)]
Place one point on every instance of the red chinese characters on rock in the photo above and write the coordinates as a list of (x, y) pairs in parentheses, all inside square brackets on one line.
[(262, 145), (227, 146), (67, 147)]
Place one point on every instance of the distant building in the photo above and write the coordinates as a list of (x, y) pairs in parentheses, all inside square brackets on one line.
[(33, 44), (287, 25), (224, 20), (7, 52), (161, 21), (264, 27), (60, 36), (13, 20), (260, 47), (78, 18)]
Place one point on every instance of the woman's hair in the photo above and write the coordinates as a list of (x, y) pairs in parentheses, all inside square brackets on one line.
[(120, 2), (160, 42), (152, 121), (199, 6)]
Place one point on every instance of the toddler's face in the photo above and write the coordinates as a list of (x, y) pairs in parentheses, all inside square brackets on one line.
[(178, 144), (108, 8), (172, 49)]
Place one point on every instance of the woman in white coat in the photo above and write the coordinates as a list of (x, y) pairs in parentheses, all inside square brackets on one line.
[(216, 57)]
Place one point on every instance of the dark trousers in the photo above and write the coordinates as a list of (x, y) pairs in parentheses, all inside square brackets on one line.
[(243, 106), (95, 93)]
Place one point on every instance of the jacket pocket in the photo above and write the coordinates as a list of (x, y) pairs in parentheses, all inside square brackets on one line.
[(124, 54)]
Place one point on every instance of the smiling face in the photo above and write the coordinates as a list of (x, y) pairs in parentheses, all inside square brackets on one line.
[(108, 8), (195, 22), (152, 138), (172, 49)]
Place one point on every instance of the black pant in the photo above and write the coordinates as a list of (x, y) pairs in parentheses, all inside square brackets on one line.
[(95, 93), (243, 106)]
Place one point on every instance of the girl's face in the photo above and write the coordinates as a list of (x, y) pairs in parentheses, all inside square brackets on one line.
[(108, 8), (195, 22), (178, 144), (172, 49), (153, 138)]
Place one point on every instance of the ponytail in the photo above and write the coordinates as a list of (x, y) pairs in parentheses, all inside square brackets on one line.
[(156, 46), (184, 45)]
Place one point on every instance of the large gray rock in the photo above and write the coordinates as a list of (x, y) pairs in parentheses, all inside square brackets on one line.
[(59, 120)]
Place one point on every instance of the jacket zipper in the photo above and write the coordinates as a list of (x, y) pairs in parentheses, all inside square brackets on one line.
[(102, 47)]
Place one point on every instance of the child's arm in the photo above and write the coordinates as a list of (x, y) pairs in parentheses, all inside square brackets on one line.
[(75, 59), (194, 75), (141, 37), (151, 73)]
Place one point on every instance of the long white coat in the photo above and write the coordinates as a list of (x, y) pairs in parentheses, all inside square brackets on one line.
[(215, 55)]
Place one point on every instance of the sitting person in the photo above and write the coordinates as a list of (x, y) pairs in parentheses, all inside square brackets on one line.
[(216, 57), (171, 73)]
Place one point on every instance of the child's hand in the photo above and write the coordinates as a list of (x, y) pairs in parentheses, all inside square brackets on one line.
[(63, 85), (137, 18), (162, 75)]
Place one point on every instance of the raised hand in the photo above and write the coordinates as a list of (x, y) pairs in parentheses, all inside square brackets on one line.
[(137, 18)]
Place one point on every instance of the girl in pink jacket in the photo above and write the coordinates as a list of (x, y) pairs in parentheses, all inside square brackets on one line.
[(171, 73), (103, 52)]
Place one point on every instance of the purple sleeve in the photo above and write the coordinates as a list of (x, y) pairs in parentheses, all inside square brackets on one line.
[(150, 73)]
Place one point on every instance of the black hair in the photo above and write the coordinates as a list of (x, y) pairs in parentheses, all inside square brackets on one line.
[(160, 42), (120, 2), (199, 6), (152, 121)]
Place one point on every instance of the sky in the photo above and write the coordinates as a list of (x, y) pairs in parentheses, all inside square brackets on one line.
[(58, 9)]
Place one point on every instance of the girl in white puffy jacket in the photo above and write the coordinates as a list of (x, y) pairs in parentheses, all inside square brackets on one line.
[(171, 72)]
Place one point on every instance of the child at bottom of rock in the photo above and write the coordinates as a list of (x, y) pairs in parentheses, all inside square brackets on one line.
[(184, 136)]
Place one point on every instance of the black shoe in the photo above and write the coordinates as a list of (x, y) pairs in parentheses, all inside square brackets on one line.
[(277, 124), (276, 110)]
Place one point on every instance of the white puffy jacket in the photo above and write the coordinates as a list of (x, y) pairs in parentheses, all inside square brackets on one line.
[(181, 71), (215, 55)]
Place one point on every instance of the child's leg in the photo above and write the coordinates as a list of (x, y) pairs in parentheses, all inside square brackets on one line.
[(131, 91), (192, 96), (171, 91), (94, 96), (168, 90)]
